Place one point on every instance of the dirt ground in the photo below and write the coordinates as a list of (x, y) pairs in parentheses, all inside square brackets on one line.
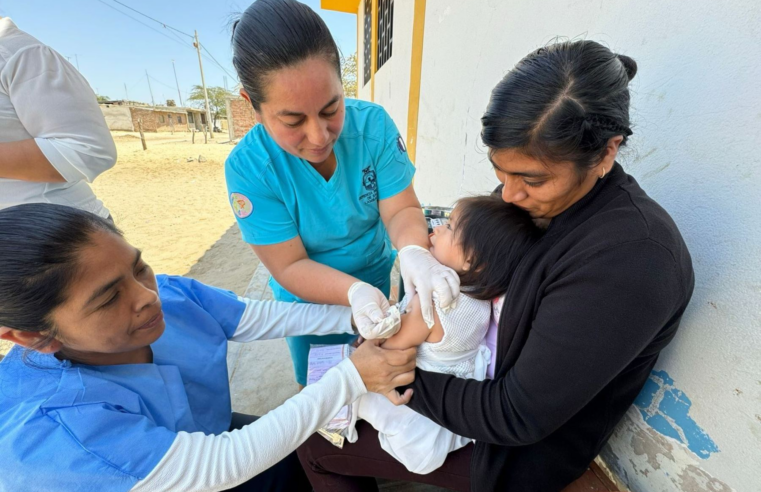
[(171, 202), (176, 210)]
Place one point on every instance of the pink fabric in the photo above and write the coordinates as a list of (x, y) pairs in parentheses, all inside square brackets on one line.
[(491, 335)]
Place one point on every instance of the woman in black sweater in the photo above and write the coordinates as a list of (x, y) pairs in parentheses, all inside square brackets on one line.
[(589, 308)]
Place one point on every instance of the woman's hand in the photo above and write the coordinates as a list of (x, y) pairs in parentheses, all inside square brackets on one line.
[(421, 273), (382, 370), (372, 313)]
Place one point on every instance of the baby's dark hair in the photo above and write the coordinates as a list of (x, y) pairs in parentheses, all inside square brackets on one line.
[(494, 236)]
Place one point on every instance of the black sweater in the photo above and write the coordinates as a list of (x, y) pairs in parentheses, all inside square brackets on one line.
[(589, 309)]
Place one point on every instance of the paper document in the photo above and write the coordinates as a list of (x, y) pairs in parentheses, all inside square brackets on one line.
[(321, 359)]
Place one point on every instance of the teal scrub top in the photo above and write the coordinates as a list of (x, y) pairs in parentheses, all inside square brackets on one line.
[(276, 196)]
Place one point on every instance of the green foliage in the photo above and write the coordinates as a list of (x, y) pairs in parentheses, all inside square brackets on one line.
[(217, 97), (349, 75), (102, 99)]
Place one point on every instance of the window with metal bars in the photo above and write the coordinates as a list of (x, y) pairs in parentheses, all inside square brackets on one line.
[(385, 31), (368, 27)]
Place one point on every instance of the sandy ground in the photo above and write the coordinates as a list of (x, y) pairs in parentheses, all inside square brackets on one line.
[(175, 209)]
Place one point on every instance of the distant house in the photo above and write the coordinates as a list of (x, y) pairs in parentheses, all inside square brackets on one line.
[(125, 115)]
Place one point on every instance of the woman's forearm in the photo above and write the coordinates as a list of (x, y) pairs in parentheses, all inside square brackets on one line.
[(268, 320), (315, 282), (404, 220), (408, 227), (200, 463), (24, 161)]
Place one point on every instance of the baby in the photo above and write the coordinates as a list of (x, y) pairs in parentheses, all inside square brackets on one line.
[(483, 242)]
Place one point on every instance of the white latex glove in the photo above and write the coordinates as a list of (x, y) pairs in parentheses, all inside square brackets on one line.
[(421, 273), (373, 315)]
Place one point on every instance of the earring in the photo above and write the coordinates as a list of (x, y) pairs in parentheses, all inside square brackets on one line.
[(603, 173)]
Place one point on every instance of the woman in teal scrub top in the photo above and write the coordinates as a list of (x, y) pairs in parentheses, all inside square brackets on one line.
[(322, 187)]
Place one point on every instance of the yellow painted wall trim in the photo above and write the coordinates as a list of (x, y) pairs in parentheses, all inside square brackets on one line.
[(413, 106), (374, 52), (348, 6)]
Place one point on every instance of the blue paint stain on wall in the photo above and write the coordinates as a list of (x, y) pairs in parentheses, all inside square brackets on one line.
[(666, 409)]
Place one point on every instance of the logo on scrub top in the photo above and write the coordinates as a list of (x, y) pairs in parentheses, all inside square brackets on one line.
[(241, 205), (370, 183), (400, 144)]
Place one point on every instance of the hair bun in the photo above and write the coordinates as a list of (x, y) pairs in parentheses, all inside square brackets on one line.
[(629, 65)]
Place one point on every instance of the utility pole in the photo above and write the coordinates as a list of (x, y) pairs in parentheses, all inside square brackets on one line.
[(149, 87), (125, 91), (178, 84), (197, 44), (224, 78), (76, 58)]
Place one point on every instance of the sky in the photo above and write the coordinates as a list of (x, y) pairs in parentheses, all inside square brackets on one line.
[(113, 50)]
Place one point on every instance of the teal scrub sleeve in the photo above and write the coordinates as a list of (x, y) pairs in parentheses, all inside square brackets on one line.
[(262, 216), (394, 168), (114, 437)]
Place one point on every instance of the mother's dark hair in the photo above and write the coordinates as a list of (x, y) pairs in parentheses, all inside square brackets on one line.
[(39, 247), (562, 103), (275, 34)]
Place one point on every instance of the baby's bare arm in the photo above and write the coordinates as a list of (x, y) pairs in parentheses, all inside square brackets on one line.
[(414, 330)]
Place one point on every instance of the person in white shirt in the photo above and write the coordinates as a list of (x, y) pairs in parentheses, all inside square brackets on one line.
[(53, 137)]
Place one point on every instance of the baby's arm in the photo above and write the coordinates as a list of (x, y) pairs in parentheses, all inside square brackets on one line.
[(414, 330)]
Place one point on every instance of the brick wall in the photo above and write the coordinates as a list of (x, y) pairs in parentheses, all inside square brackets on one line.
[(171, 125), (148, 117), (242, 116), (152, 120)]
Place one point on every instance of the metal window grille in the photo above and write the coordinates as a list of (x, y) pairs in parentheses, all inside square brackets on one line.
[(385, 31), (367, 55)]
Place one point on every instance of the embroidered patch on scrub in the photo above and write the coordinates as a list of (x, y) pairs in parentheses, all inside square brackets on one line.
[(241, 205), (400, 144)]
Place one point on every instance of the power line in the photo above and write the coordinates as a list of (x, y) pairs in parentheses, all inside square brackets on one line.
[(143, 23), (218, 64), (160, 82), (135, 84), (177, 37), (167, 26)]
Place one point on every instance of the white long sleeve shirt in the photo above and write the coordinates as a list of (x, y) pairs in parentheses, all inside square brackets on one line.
[(42, 96), (203, 463)]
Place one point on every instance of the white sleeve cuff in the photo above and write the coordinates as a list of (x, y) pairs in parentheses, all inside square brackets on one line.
[(200, 463)]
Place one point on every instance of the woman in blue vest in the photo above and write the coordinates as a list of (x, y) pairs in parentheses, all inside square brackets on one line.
[(322, 187), (118, 379)]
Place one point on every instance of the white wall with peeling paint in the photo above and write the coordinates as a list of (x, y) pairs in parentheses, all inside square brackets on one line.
[(697, 120)]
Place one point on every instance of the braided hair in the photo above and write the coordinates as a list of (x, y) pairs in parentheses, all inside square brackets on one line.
[(562, 103)]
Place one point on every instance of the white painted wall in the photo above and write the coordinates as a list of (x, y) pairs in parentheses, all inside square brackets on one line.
[(118, 117), (697, 120)]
